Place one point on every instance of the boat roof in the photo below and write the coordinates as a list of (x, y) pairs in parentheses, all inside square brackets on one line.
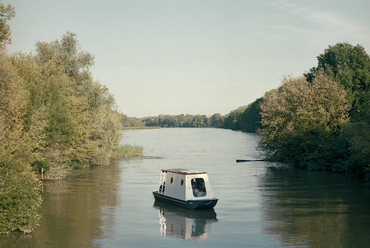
[(183, 171)]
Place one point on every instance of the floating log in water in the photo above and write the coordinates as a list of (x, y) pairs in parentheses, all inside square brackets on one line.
[(248, 160)]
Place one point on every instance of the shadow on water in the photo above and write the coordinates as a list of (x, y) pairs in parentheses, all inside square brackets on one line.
[(314, 209), (187, 224)]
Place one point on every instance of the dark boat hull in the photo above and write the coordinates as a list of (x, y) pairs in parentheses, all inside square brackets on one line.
[(191, 204)]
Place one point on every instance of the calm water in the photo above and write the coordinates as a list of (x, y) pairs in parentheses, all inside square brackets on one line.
[(260, 204)]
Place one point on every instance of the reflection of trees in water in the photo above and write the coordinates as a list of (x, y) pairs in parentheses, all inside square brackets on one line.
[(310, 208), (75, 211), (88, 207)]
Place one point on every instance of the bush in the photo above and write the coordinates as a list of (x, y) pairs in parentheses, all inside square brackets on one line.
[(323, 151), (19, 201), (19, 187), (358, 137), (303, 122)]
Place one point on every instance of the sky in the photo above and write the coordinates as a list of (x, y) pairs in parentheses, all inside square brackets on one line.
[(193, 56)]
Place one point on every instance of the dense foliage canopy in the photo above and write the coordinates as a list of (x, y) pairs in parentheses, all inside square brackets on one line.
[(350, 67), (19, 187), (216, 120), (81, 122), (322, 121), (6, 14), (299, 105), (53, 117), (246, 118), (292, 112)]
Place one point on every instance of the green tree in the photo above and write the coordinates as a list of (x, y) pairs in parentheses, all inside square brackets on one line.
[(68, 127), (232, 120), (349, 66), (100, 104), (19, 187), (67, 51), (358, 137), (251, 117), (6, 14), (297, 107), (130, 121), (216, 120), (246, 118)]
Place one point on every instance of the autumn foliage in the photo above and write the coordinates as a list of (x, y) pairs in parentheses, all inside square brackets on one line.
[(19, 187)]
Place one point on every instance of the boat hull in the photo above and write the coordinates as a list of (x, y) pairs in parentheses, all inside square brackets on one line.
[(191, 204)]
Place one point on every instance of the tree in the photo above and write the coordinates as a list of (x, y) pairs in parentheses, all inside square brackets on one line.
[(216, 120), (251, 117), (76, 63), (358, 137), (350, 67), (66, 137), (232, 120), (297, 107), (19, 187), (246, 118), (6, 14), (100, 104)]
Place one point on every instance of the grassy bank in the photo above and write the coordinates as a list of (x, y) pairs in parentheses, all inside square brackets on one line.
[(127, 151), (62, 170)]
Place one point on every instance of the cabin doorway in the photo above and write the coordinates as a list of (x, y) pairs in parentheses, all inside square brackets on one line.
[(199, 187)]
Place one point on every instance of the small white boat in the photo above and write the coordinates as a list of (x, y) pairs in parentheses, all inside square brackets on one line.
[(186, 189)]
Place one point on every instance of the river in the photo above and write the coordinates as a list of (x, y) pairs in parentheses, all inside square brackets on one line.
[(261, 204)]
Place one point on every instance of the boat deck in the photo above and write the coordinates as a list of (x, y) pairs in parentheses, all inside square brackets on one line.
[(183, 171)]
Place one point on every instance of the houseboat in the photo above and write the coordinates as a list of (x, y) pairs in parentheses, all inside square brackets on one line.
[(189, 189)]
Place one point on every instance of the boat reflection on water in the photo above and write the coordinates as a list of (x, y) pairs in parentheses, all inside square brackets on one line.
[(184, 223)]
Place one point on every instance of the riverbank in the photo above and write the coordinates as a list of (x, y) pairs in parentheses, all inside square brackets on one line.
[(127, 151), (61, 171), (139, 128)]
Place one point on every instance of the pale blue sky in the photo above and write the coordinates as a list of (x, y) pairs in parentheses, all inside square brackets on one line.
[(194, 56)]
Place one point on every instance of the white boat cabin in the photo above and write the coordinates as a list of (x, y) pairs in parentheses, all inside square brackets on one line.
[(185, 185)]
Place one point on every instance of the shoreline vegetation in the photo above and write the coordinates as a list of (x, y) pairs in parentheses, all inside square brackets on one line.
[(54, 117), (138, 128), (127, 151), (320, 120), (62, 171)]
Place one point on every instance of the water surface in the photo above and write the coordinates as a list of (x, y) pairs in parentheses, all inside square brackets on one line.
[(260, 204)]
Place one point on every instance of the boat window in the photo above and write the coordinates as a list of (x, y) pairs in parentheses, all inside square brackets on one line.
[(171, 180), (182, 182), (199, 187)]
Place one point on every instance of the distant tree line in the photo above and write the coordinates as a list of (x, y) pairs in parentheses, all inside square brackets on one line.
[(181, 120), (131, 121), (184, 120)]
